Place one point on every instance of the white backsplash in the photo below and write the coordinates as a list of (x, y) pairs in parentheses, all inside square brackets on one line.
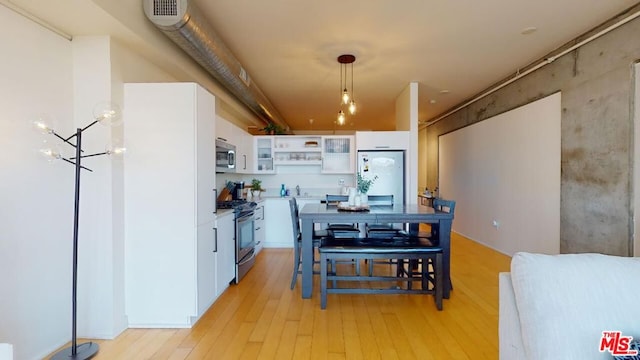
[(310, 184)]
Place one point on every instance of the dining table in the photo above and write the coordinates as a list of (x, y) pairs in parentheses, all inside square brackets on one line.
[(411, 214)]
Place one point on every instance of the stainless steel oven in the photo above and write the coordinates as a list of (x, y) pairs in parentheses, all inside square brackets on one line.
[(225, 156), (245, 240), (245, 253)]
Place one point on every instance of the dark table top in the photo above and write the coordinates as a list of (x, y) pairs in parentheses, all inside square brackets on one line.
[(376, 213)]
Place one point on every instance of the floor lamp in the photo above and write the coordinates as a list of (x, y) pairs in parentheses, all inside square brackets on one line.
[(108, 114)]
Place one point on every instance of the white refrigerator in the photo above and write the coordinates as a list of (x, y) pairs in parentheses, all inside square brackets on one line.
[(388, 165)]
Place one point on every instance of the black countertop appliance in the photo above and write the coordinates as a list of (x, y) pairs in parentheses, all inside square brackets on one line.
[(238, 190)]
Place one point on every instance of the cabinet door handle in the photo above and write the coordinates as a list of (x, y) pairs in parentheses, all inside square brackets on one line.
[(382, 147), (245, 162), (215, 239), (215, 201), (258, 228)]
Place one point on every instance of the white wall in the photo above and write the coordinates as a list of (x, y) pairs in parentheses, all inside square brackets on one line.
[(44, 73), (507, 169), (407, 120), (100, 68), (36, 198), (422, 159), (636, 164)]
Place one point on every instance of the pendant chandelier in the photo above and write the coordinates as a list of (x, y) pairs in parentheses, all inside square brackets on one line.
[(346, 97)]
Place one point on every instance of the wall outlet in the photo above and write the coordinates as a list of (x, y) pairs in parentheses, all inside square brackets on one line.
[(495, 224), (341, 182)]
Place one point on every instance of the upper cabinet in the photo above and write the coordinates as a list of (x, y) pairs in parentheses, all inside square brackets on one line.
[(297, 150), (244, 150), (338, 155), (242, 140), (382, 140), (263, 155), (325, 154)]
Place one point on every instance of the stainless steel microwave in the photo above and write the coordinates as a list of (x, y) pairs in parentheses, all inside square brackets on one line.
[(225, 156)]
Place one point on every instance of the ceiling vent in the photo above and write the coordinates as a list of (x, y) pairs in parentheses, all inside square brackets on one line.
[(183, 23)]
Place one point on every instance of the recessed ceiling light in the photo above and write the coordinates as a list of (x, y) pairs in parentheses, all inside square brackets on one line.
[(432, 101), (529, 30), (444, 91)]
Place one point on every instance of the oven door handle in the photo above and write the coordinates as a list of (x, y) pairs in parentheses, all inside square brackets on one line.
[(248, 258)]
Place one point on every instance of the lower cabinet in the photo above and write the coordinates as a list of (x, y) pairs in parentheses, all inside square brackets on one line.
[(279, 233), (279, 230), (206, 265), (172, 281), (259, 227), (225, 252), (169, 275)]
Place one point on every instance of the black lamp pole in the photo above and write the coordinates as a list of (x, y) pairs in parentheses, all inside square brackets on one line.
[(89, 349)]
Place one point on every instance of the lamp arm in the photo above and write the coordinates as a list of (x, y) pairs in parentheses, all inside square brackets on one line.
[(65, 140), (73, 163), (77, 133), (96, 154)]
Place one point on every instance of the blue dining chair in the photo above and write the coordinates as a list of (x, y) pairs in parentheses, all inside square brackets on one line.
[(297, 242), (429, 238), (341, 230), (381, 230)]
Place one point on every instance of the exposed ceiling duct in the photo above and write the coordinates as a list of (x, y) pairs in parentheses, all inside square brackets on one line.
[(183, 23)]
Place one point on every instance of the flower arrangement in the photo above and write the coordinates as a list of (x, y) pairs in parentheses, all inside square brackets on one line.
[(365, 184)]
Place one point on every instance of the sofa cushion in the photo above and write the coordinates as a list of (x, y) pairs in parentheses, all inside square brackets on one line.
[(565, 302)]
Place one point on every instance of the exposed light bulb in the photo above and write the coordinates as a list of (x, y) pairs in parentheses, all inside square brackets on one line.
[(107, 113), (116, 148), (352, 107), (117, 151), (51, 154), (341, 117), (345, 96), (44, 124)]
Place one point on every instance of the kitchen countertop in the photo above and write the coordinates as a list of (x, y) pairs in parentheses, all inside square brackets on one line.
[(302, 197), (223, 212)]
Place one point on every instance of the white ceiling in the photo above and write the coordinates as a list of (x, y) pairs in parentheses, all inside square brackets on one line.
[(289, 47)]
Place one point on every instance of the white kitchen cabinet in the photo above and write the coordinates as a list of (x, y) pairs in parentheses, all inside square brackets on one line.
[(169, 201), (225, 251), (242, 140), (291, 150), (259, 227), (279, 230), (338, 154), (206, 266), (263, 155), (244, 150), (224, 129), (382, 140), (279, 233)]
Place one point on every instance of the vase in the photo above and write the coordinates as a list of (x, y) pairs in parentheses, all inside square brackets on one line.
[(364, 199), (352, 196), (256, 194)]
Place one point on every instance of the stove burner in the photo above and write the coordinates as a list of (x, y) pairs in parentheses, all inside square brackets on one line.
[(242, 208), (231, 204)]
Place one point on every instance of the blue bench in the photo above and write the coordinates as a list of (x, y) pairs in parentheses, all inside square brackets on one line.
[(377, 248)]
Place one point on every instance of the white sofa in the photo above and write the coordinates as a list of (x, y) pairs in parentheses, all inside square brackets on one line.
[(557, 306)]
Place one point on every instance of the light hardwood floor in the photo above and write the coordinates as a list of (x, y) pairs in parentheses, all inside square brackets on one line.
[(261, 318)]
